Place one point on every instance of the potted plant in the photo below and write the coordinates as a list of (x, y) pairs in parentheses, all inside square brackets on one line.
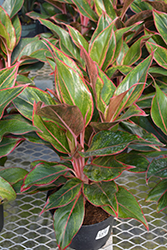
[(87, 127), (87, 121)]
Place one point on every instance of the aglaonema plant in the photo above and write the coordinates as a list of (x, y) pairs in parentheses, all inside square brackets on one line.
[(84, 127)]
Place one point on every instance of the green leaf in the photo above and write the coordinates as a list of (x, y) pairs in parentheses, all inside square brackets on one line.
[(12, 6), (129, 207), (102, 24), (43, 174), (134, 83), (121, 68), (162, 204), (15, 124), (134, 160), (2, 161), (8, 77), (30, 48), (110, 9), (158, 109), (108, 88), (7, 193), (67, 221), (7, 95), (102, 194), (5, 19), (25, 101), (158, 168), (160, 54), (160, 19), (104, 88), (85, 9), (77, 38), (132, 111), (137, 75), (99, 7), (7, 145), (20, 46), (134, 52), (63, 57), (13, 175), (66, 194), (100, 45), (157, 191), (73, 90), (109, 142), (66, 42), (104, 169), (110, 52), (17, 26), (119, 33), (138, 6)]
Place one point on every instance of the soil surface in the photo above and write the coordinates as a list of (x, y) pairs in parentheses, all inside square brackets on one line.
[(94, 214)]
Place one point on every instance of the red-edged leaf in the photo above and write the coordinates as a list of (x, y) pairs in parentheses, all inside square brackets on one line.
[(8, 76), (126, 5), (51, 133), (129, 206), (7, 145), (43, 174), (13, 175), (104, 169), (7, 193), (64, 195), (109, 143), (160, 19), (100, 45), (133, 110), (136, 162), (65, 115), (73, 89), (158, 167), (68, 220), (85, 9), (103, 194), (15, 124), (160, 53), (6, 21), (25, 101), (7, 95), (158, 109), (91, 67)]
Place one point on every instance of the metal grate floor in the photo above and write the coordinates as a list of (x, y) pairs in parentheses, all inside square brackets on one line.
[(24, 229)]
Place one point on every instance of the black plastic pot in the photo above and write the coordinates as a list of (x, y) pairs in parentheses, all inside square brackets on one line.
[(90, 237), (1, 217), (93, 237)]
